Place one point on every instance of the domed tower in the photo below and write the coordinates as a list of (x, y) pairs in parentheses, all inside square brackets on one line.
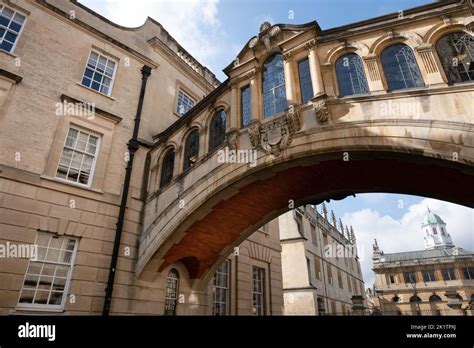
[(434, 229)]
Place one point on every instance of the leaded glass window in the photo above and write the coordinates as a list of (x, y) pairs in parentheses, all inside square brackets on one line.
[(456, 52), (350, 75), (306, 86), (217, 130), (167, 167), (245, 106), (171, 295), (48, 276), (99, 73), (220, 290), (274, 94), (258, 291), (11, 23), (191, 149), (400, 68)]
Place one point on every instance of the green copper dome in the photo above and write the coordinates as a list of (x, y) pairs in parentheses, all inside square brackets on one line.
[(431, 219)]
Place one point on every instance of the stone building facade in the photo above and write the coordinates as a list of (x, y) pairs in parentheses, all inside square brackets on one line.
[(438, 280), (321, 269), (70, 84)]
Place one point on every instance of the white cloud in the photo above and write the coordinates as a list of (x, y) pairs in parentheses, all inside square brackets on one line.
[(405, 233), (195, 24)]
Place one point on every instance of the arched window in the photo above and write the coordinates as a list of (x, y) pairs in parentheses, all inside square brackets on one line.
[(167, 166), (456, 53), (350, 74), (191, 149), (171, 295), (274, 94), (415, 298), (400, 68), (434, 298), (217, 130)]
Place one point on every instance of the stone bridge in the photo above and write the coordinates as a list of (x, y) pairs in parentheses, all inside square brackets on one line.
[(385, 105)]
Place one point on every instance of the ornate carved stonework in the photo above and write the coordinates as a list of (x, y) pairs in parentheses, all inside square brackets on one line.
[(293, 118), (254, 133), (267, 33), (321, 109), (275, 136), (233, 139)]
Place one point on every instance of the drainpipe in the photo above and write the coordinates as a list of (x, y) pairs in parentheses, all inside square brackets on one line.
[(133, 146)]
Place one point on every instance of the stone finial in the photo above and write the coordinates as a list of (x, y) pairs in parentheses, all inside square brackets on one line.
[(347, 234), (375, 245), (341, 226), (353, 237), (333, 219), (324, 211)]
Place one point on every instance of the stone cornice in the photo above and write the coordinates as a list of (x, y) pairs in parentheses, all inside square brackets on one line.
[(11, 76), (114, 118)]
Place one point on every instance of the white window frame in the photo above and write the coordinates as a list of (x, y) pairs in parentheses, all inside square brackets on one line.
[(226, 288), (48, 307), (261, 271), (21, 29), (108, 57), (189, 96), (94, 162)]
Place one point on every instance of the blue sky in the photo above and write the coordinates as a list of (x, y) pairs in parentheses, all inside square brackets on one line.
[(215, 31)]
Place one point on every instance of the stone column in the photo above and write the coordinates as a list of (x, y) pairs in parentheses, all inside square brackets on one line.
[(289, 79), (234, 115), (254, 88), (374, 78), (433, 74), (315, 69), (358, 305)]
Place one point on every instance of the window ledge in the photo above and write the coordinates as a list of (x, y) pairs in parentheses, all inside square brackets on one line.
[(70, 183), (96, 92), (36, 311), (11, 54)]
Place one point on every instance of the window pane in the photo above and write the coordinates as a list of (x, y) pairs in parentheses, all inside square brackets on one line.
[(245, 106), (167, 168), (305, 81), (98, 73), (217, 130), (400, 68), (191, 149), (274, 94), (456, 53), (350, 74)]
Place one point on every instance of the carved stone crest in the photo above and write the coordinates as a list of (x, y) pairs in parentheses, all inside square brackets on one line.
[(275, 136), (321, 109)]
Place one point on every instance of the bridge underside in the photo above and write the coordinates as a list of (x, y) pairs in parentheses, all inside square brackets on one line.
[(311, 181)]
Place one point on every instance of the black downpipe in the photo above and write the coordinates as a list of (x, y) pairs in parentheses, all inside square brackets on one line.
[(133, 145)]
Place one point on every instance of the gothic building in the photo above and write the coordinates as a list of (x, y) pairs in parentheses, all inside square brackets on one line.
[(438, 280), (327, 251), (110, 136)]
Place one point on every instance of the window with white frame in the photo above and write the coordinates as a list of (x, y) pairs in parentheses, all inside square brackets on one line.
[(11, 24), (99, 73), (220, 290), (258, 291), (47, 278), (78, 157), (185, 103)]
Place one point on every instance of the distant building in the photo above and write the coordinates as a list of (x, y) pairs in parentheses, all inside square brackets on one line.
[(436, 281), (311, 241)]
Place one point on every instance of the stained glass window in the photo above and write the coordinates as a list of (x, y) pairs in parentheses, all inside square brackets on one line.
[(217, 130), (274, 94), (306, 87), (456, 53), (245, 106), (350, 74), (167, 167), (191, 149), (400, 68)]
